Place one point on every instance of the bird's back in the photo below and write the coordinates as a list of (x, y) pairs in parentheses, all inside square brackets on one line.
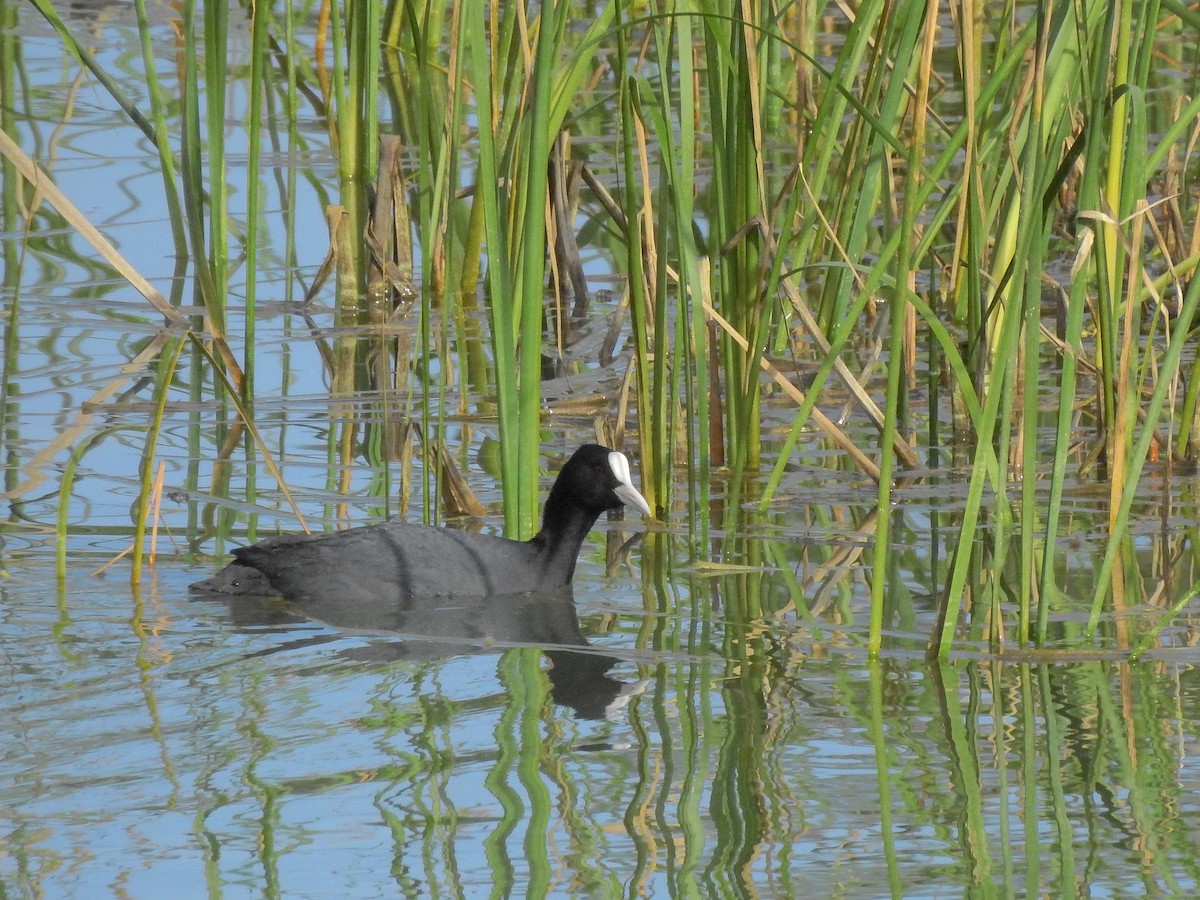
[(393, 562)]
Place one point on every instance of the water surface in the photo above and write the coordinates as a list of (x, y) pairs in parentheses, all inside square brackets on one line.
[(693, 719)]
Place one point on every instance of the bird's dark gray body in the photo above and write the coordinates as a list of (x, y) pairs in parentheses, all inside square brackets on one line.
[(389, 564), (350, 565)]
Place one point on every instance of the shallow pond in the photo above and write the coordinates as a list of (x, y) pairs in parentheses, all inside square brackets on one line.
[(161, 745), (698, 717)]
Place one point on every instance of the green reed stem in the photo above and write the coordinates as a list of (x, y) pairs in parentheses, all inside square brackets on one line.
[(161, 133), (739, 194), (904, 60), (637, 279), (673, 121), (500, 287), (530, 263), (1145, 435), (191, 168), (1005, 353), (168, 361), (260, 20), (1030, 254), (12, 254), (65, 485), (216, 74), (693, 291), (1077, 304)]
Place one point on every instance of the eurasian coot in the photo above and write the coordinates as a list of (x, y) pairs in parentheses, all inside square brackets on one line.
[(395, 561)]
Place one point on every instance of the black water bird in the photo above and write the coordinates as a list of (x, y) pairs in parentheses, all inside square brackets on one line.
[(394, 562)]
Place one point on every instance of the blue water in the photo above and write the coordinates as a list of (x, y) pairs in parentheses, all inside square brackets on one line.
[(668, 729)]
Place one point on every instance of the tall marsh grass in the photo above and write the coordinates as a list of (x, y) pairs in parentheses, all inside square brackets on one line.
[(929, 231)]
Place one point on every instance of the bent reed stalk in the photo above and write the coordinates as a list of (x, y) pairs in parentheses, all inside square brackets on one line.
[(1004, 196)]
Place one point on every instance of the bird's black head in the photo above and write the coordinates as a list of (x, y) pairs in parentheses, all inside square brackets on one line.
[(593, 480)]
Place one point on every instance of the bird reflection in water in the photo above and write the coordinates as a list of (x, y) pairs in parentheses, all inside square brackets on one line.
[(441, 627)]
